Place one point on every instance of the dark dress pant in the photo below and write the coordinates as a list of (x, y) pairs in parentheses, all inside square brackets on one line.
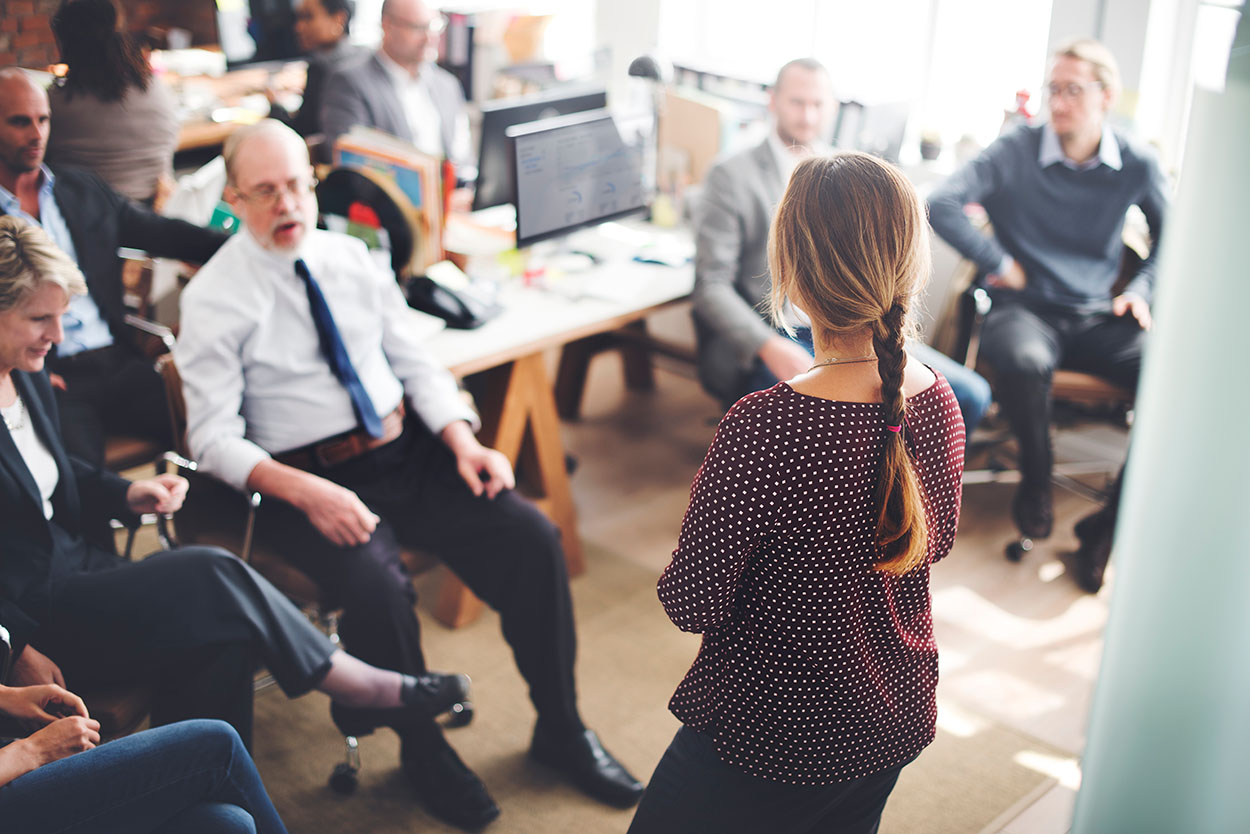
[(1026, 345), (504, 549), (693, 790), (192, 621)]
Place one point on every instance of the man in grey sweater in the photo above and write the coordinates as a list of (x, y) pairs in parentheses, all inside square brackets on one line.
[(1056, 196)]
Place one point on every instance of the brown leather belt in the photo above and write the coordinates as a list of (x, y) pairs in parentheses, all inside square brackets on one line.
[(344, 447)]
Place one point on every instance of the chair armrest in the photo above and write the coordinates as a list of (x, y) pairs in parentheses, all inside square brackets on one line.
[(215, 512), (153, 339), (977, 306)]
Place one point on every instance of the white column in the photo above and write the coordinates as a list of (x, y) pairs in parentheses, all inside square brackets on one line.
[(630, 29), (1167, 749)]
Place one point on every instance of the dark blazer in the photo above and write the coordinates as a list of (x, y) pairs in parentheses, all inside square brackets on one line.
[(321, 65), (100, 221), (364, 94), (31, 551)]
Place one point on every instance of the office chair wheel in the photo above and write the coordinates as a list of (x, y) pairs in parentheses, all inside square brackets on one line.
[(460, 715), (345, 777), (1017, 549)]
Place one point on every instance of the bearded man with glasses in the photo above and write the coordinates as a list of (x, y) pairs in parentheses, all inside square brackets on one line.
[(305, 382), (1056, 195)]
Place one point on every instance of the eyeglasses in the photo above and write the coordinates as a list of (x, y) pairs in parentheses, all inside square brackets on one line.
[(1071, 91), (268, 195), (434, 26)]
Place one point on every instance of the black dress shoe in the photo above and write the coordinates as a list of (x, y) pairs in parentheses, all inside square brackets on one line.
[(1033, 510), (450, 791), (424, 696), (1090, 561), (583, 760)]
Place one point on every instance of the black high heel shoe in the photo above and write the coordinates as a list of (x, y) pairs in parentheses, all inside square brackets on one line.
[(424, 697)]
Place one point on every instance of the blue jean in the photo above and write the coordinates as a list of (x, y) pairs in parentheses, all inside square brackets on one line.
[(693, 790), (970, 388), (193, 777)]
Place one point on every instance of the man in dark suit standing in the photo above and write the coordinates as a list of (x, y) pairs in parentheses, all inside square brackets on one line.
[(400, 90), (105, 384)]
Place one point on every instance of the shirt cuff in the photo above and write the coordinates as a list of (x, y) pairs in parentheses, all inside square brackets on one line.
[(1004, 264), (235, 465)]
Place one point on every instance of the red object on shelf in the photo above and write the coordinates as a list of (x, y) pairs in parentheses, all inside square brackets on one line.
[(364, 215)]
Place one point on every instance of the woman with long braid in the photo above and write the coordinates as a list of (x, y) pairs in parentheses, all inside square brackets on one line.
[(804, 556)]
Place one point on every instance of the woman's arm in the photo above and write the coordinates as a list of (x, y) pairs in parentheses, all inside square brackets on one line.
[(729, 512), (63, 737), (60, 737)]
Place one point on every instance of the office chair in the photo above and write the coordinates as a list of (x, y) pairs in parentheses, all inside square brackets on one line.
[(215, 513), (967, 307)]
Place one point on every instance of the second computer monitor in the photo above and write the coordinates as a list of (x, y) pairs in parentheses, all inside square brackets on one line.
[(494, 170), (572, 172)]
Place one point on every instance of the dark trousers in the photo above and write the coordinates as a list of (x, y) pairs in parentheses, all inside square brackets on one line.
[(693, 790), (1025, 346), (113, 390), (192, 621), (504, 549)]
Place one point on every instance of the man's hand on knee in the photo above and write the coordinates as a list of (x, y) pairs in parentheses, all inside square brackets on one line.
[(485, 470), (337, 512), (1135, 305), (783, 358)]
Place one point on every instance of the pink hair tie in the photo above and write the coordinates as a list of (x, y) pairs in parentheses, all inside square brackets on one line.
[(897, 428)]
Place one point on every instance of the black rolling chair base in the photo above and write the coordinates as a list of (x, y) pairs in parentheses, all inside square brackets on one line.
[(345, 777), (1017, 549)]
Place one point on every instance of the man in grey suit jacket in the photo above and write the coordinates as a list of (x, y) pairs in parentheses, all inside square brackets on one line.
[(399, 89), (739, 351)]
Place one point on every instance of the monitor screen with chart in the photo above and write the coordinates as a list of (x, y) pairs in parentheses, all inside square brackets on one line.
[(574, 171)]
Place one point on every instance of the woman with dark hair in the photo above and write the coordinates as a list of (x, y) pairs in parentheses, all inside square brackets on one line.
[(322, 27), (109, 114), (804, 556)]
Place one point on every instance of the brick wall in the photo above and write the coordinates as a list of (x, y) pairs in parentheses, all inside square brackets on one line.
[(26, 34)]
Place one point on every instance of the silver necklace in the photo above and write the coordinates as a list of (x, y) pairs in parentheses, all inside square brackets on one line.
[(839, 360), (20, 422)]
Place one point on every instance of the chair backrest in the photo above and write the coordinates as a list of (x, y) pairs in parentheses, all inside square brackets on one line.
[(176, 402)]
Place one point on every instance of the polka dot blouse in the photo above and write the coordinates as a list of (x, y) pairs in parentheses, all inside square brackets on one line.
[(814, 667)]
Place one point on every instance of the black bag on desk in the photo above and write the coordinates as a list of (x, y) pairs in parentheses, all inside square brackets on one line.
[(461, 310)]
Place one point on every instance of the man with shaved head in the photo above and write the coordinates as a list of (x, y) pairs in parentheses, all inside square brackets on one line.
[(304, 382), (400, 90), (105, 385)]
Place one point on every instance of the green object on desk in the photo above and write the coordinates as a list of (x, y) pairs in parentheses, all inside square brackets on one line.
[(224, 218)]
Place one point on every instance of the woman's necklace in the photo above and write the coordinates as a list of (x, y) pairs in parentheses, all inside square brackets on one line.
[(18, 423), (839, 360)]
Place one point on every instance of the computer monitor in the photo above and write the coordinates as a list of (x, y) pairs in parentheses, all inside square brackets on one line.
[(571, 172), (494, 167)]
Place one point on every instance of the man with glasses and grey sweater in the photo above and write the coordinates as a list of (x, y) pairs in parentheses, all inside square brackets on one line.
[(1056, 196)]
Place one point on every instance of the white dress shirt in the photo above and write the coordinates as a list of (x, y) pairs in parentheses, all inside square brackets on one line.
[(38, 459), (255, 379), (424, 120)]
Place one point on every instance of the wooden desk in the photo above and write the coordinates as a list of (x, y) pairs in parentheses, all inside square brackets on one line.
[(204, 134), (519, 413)]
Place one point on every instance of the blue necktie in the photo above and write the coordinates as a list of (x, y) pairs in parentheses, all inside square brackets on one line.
[(336, 354)]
